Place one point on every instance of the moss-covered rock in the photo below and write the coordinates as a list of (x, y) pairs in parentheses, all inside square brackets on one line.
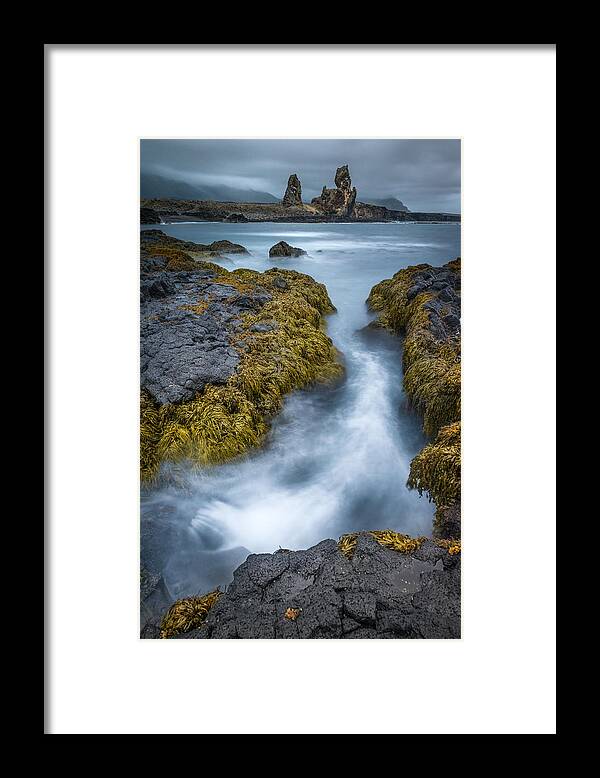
[(422, 303), (219, 352)]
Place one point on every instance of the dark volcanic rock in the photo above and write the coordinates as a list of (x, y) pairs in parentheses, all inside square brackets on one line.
[(155, 599), (283, 249), (447, 522), (209, 210), (444, 309), (339, 201), (378, 593), (227, 247), (149, 216), (342, 178), (184, 350), (152, 238), (293, 192), (235, 217), (158, 285), (188, 322)]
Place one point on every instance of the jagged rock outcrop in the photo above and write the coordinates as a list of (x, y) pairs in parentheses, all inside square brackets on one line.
[(283, 249), (149, 216), (342, 178), (293, 192), (339, 201), (375, 592)]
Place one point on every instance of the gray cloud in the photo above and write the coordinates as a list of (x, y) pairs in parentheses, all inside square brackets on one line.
[(424, 174)]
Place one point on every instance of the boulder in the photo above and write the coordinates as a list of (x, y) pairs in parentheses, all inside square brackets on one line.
[(235, 218), (283, 249)]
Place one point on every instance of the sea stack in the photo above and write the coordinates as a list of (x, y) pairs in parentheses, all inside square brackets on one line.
[(293, 192), (339, 201)]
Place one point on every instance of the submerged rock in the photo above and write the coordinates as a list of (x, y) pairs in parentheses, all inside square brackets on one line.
[(293, 192), (283, 249), (322, 593)]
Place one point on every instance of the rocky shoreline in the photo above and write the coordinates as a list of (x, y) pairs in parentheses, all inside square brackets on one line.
[(422, 303), (170, 211), (219, 351), (364, 587), (337, 204)]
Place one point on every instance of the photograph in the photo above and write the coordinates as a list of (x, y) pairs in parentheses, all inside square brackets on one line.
[(272, 425), (300, 388)]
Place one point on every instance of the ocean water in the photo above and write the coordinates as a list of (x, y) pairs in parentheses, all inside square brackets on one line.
[(337, 458)]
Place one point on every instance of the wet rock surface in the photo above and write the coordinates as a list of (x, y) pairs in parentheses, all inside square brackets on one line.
[(188, 322), (445, 308), (283, 249), (155, 599), (447, 522), (152, 238), (377, 593)]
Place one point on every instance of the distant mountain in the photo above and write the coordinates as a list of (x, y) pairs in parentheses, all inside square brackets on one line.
[(153, 186), (388, 202)]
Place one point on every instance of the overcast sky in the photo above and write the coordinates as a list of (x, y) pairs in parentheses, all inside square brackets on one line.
[(424, 174)]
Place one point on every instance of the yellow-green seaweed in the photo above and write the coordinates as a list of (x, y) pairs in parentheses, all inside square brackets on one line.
[(225, 421), (432, 382), (396, 541), (452, 545), (431, 368), (436, 468), (187, 614)]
